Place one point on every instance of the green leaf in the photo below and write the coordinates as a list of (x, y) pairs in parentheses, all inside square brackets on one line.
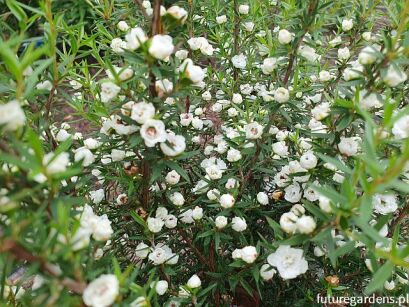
[(294, 240), (278, 233), (10, 59), (16, 9), (336, 162), (316, 211), (380, 277), (330, 193)]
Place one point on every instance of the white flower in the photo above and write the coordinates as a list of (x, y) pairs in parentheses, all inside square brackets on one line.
[(161, 46), (347, 25), (135, 38), (306, 224), (142, 111), (280, 148), (97, 196), (161, 254), (244, 9), (178, 13), (267, 272), (102, 291), (318, 251), (11, 116), (124, 73), (246, 89), (298, 210), (213, 194), (146, 4), (232, 183), (367, 36), (349, 146), (233, 155), (118, 45), (221, 222), (239, 61), (122, 199), (177, 199), (197, 123), (196, 43), (161, 212), (85, 155), (239, 224), (45, 86), (187, 217), (281, 95), (343, 54), (249, 26), (142, 250), (308, 53), (288, 222), (164, 86), (389, 285), (236, 254), (109, 91), (324, 204), (253, 130), (171, 221), (268, 66), (181, 54), (384, 203), (194, 282), (249, 254), (226, 201), (367, 55), (155, 224), (214, 172), (262, 198), (200, 187), (325, 76), (237, 98), (123, 26), (172, 177), (285, 37), (321, 111), (153, 131), (117, 155), (102, 230), (369, 101), (141, 301), (81, 239), (308, 160), (186, 119), (193, 72), (207, 96), (56, 164), (394, 76), (221, 19), (232, 112), (174, 145), (289, 261), (197, 213), (160, 286), (293, 193), (400, 128), (91, 143)]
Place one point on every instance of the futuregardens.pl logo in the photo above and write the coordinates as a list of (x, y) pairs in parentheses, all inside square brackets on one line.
[(355, 300)]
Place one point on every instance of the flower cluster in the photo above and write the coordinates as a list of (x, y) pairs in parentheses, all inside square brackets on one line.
[(206, 154)]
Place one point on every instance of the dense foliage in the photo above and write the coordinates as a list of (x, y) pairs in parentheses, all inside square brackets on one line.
[(210, 153)]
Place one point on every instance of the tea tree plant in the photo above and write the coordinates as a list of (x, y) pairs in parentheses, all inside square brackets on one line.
[(209, 153)]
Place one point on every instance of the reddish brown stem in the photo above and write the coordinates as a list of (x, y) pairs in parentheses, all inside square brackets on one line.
[(20, 253)]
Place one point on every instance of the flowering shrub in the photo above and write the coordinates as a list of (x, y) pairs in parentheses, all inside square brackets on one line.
[(212, 153)]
